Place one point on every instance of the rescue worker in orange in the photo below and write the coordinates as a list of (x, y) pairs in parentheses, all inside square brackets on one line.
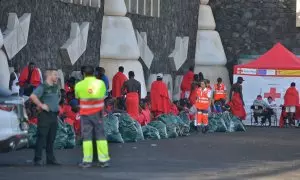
[(203, 102), (91, 93), (219, 95)]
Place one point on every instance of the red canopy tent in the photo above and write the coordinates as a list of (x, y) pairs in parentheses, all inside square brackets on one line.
[(269, 75), (276, 58)]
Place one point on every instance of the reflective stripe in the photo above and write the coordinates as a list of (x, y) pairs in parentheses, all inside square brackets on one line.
[(92, 106), (88, 159), (91, 99)]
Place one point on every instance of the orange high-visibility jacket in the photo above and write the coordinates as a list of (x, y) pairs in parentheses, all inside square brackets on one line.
[(203, 99), (220, 92)]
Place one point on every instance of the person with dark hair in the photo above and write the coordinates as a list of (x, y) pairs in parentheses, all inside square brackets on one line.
[(100, 74), (117, 83), (187, 83), (160, 100), (219, 95), (263, 111), (14, 80), (132, 89), (195, 85), (291, 101), (236, 99), (201, 76), (47, 97), (202, 105), (30, 79), (91, 94)]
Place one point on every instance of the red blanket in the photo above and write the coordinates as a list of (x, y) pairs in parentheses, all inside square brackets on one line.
[(132, 104), (291, 97), (237, 107), (187, 80), (35, 79), (160, 101), (117, 83)]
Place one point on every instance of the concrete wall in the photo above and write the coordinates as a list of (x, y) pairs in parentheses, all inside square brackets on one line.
[(253, 26), (49, 30)]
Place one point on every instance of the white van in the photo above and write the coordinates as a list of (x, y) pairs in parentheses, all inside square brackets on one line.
[(13, 122)]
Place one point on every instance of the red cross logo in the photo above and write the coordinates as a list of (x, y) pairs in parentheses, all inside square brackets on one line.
[(272, 93), (239, 71)]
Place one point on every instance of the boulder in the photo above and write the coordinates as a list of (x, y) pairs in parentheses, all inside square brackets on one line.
[(213, 72), (176, 90), (1, 39), (206, 20), (146, 53), (118, 40), (115, 8), (209, 49), (111, 67), (4, 70)]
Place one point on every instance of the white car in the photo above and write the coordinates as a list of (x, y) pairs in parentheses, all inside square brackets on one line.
[(13, 122)]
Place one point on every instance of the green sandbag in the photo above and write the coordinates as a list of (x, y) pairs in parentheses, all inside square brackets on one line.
[(127, 128), (71, 141), (233, 123), (185, 117), (161, 127), (184, 129), (171, 124), (61, 136), (150, 132), (216, 123), (32, 131), (140, 136), (111, 129)]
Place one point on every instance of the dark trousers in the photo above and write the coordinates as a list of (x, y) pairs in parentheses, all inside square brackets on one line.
[(46, 133), (266, 115)]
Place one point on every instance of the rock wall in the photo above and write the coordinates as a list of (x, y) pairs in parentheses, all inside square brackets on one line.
[(178, 18), (252, 27), (50, 29)]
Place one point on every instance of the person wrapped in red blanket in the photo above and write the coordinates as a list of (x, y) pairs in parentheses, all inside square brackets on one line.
[(145, 114), (236, 99), (194, 87), (117, 83), (160, 101), (291, 105), (132, 89), (186, 83), (29, 79)]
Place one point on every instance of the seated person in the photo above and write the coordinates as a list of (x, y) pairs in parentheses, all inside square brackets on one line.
[(261, 111), (145, 115), (174, 109)]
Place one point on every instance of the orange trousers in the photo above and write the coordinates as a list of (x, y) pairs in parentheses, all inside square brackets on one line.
[(201, 118)]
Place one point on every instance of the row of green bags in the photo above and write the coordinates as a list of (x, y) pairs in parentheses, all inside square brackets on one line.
[(225, 122), (65, 136)]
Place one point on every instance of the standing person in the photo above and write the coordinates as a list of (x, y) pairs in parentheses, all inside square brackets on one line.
[(236, 99), (160, 100), (14, 80), (219, 94), (202, 104), (291, 101), (117, 83), (91, 94), (187, 83), (100, 74), (194, 88), (132, 89), (29, 79), (47, 97)]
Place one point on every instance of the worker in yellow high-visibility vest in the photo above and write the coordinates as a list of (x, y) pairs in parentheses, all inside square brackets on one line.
[(91, 93)]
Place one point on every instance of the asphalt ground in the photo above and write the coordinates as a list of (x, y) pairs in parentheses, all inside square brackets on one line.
[(260, 153)]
